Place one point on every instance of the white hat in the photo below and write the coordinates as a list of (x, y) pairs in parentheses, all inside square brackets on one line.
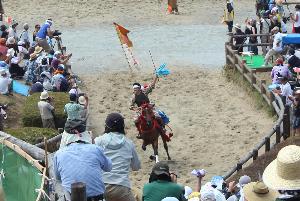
[(208, 195), (82, 100), (170, 199), (44, 95), (21, 43), (244, 180), (283, 172), (10, 41), (57, 53), (187, 191)]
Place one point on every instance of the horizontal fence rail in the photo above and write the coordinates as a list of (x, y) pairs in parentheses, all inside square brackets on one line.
[(282, 125)]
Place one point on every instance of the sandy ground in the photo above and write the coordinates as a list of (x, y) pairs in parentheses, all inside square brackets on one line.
[(214, 122)]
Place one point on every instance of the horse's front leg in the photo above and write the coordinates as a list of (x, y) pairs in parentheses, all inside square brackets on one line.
[(155, 149)]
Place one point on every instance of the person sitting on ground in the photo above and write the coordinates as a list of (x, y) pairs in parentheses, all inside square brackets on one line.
[(277, 45), (162, 184), (46, 110), (258, 191), (59, 58), (3, 48), (24, 37), (3, 31), (46, 78), (36, 88), (123, 155), (41, 36), (280, 70), (59, 81), (83, 162), (285, 89), (282, 174), (5, 83), (30, 75)]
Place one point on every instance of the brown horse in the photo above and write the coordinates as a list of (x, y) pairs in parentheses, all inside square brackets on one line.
[(150, 130)]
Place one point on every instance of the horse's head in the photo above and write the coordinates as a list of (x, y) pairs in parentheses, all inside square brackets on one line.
[(147, 113)]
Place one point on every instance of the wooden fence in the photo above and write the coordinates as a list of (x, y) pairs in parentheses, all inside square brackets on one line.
[(281, 128)]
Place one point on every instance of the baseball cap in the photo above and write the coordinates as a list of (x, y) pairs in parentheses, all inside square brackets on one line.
[(161, 168)]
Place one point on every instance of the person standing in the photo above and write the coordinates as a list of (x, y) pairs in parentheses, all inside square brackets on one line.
[(46, 110), (41, 36), (5, 83), (24, 37), (229, 15), (123, 155), (296, 19), (265, 24), (277, 45), (83, 162), (239, 39)]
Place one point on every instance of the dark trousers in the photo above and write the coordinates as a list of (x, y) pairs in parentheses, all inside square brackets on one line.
[(297, 29), (95, 198), (230, 25)]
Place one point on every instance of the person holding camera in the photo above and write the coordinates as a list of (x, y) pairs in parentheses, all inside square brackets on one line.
[(46, 110), (41, 36)]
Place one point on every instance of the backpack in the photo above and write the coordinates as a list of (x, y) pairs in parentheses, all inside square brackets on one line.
[(62, 85)]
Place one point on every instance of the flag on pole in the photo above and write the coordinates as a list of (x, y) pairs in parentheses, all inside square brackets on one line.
[(122, 33)]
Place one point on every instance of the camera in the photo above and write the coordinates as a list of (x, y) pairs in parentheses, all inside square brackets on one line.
[(56, 33)]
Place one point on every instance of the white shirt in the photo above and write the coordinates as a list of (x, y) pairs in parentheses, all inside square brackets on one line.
[(265, 25), (24, 36), (286, 91), (277, 43), (4, 82), (12, 33), (297, 23)]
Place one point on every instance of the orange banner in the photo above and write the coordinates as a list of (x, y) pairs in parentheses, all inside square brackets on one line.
[(122, 33)]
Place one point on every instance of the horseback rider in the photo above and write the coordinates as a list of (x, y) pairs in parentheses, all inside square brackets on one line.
[(140, 97)]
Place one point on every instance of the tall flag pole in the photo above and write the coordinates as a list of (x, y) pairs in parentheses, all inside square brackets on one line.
[(126, 44)]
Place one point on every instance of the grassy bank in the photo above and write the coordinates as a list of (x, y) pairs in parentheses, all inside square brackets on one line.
[(234, 76)]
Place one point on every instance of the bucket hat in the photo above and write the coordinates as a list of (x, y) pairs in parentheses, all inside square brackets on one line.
[(258, 191), (44, 95)]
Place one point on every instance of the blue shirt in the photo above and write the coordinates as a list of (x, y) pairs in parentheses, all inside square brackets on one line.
[(79, 162), (42, 33)]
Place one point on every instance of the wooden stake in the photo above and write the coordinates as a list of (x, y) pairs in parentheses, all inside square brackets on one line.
[(46, 155)]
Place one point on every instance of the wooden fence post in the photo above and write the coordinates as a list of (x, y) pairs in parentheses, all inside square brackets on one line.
[(255, 154), (226, 52), (253, 80), (278, 135), (286, 123), (262, 88), (239, 166), (78, 192), (267, 144)]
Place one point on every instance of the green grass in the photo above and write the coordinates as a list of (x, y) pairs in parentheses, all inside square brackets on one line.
[(31, 115), (234, 76), (32, 135)]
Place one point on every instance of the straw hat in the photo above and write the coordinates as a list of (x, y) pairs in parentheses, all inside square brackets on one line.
[(258, 191), (283, 172), (37, 50), (33, 56), (44, 95)]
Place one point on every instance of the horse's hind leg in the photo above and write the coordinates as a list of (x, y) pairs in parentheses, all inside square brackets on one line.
[(167, 149)]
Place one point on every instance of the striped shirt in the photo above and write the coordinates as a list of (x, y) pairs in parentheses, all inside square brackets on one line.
[(79, 162)]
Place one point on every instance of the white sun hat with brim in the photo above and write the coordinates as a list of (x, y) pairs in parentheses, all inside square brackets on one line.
[(68, 138), (258, 191), (82, 100), (283, 173), (44, 95), (170, 199)]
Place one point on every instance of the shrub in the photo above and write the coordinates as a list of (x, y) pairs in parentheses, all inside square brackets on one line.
[(32, 135), (31, 114)]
